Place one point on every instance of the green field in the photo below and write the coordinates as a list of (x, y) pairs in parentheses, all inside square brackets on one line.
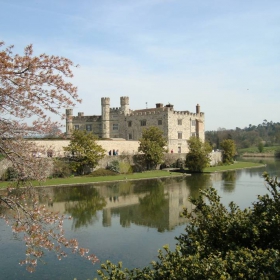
[(270, 149)]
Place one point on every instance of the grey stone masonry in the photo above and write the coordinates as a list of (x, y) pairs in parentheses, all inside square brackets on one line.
[(122, 122)]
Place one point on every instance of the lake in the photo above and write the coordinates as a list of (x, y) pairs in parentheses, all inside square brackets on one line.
[(125, 221)]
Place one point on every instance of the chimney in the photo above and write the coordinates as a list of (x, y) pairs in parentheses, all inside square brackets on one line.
[(197, 109), (159, 105)]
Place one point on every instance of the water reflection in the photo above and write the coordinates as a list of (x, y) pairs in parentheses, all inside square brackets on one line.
[(152, 203), (127, 221), (229, 180), (198, 182)]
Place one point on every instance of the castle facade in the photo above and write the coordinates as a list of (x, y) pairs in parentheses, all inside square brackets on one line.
[(122, 122)]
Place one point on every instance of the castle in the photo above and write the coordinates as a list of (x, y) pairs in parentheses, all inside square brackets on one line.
[(122, 122)]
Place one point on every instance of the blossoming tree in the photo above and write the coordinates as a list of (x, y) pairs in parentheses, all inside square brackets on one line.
[(30, 87)]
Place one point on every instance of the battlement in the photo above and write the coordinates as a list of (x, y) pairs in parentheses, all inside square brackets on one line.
[(69, 112), (105, 101), (124, 100), (87, 118), (115, 110), (112, 123)]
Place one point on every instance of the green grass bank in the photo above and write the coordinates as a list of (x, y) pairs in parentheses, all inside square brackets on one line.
[(136, 176)]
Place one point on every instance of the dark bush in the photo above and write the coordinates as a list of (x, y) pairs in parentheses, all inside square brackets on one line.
[(10, 174), (61, 169)]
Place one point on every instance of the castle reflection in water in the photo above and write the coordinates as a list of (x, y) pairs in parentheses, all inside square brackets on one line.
[(156, 203)]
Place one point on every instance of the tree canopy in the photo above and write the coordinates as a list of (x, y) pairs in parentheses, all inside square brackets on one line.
[(229, 150), (153, 145), (83, 151), (31, 87), (219, 243), (198, 156), (252, 135)]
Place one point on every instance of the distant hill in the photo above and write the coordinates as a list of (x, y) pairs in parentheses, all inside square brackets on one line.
[(268, 133)]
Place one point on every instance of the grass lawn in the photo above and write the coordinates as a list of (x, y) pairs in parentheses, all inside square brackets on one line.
[(236, 165), (135, 176), (89, 179)]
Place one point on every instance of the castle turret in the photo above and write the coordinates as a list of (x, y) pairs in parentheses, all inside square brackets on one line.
[(125, 104), (69, 122), (105, 106)]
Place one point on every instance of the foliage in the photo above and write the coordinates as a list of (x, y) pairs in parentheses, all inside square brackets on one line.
[(125, 168), (61, 168), (120, 167), (32, 87), (102, 172), (250, 136), (114, 166), (10, 174), (260, 147), (220, 242), (229, 150), (83, 151), (198, 156), (153, 145)]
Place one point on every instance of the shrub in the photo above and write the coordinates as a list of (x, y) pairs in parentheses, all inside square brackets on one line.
[(114, 166), (220, 242), (102, 172), (10, 174), (61, 169), (125, 168)]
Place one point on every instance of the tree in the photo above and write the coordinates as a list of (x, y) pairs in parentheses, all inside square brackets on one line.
[(30, 87), (220, 242), (198, 156), (153, 145), (83, 151), (229, 150), (260, 146)]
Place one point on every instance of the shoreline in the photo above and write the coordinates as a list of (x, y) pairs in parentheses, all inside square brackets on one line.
[(126, 179)]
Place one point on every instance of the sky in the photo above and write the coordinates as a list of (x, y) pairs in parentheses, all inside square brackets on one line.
[(221, 54)]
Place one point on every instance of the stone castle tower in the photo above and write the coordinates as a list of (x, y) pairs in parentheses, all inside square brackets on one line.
[(122, 122), (105, 108)]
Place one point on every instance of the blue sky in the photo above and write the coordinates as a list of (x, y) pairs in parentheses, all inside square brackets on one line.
[(222, 54)]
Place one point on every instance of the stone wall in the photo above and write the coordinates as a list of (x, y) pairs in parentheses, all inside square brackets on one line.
[(124, 147)]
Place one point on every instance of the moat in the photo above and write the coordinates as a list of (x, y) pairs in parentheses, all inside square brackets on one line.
[(126, 221)]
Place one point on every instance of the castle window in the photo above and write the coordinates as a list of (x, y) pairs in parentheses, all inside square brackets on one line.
[(129, 123), (143, 122), (159, 122), (179, 135), (88, 127), (130, 136), (115, 126), (180, 122), (193, 122), (76, 127)]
